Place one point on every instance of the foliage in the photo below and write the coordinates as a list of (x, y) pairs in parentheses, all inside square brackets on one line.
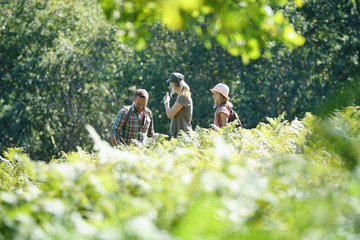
[(56, 61), (281, 180), (61, 67), (240, 27), (320, 76)]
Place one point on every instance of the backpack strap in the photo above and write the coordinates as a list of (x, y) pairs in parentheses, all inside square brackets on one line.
[(127, 115)]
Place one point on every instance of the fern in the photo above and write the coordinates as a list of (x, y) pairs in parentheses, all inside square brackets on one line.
[(281, 180)]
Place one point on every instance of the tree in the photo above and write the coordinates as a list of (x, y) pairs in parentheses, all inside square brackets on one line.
[(243, 28), (320, 76), (61, 67), (56, 61)]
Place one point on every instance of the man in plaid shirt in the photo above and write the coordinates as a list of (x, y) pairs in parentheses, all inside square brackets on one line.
[(133, 122)]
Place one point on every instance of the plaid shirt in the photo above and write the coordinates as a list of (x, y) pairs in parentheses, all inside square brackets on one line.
[(134, 127)]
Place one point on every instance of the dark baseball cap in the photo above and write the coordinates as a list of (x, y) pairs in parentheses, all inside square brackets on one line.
[(176, 78)]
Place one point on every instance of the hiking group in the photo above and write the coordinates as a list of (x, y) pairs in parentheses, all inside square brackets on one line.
[(136, 121)]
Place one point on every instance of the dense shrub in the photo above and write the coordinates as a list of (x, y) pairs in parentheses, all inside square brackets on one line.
[(281, 180)]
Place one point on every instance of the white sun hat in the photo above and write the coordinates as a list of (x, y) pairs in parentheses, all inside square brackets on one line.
[(222, 88)]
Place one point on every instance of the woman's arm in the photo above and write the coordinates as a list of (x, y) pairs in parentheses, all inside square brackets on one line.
[(171, 112), (223, 120), (151, 132)]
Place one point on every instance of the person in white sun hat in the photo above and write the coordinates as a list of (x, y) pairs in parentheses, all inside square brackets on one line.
[(222, 105)]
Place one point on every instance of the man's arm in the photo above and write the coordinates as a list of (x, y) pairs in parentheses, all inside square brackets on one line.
[(113, 139), (118, 125)]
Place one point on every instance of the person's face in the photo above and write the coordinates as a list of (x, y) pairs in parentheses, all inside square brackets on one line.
[(172, 86), (140, 104), (216, 97)]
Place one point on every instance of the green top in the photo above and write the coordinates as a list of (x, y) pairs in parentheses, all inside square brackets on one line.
[(182, 119)]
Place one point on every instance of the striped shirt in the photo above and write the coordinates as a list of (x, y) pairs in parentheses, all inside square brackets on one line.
[(132, 125), (217, 118)]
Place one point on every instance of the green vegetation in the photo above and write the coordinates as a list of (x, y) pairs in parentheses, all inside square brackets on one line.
[(243, 28), (62, 67), (65, 65), (280, 180)]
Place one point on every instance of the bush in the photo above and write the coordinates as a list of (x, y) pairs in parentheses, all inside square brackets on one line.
[(280, 180)]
